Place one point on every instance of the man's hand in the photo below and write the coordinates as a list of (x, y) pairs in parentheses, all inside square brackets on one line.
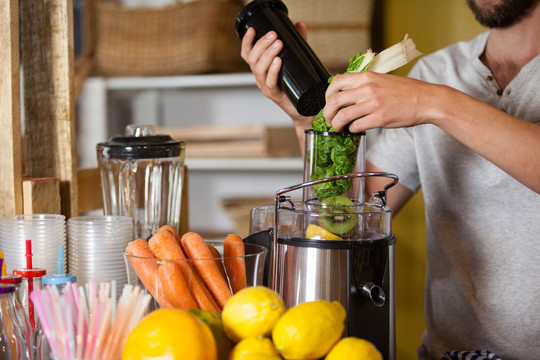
[(262, 58), (371, 100)]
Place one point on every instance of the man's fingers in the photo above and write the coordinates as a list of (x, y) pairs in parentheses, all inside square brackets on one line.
[(247, 43)]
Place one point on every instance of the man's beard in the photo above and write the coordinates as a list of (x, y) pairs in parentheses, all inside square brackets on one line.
[(505, 14)]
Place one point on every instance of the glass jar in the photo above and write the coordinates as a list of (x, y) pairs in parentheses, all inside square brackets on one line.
[(12, 279), (31, 279), (13, 344)]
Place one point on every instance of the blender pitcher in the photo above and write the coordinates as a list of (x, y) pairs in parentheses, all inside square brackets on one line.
[(141, 177)]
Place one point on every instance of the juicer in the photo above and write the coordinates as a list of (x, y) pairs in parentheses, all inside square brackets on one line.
[(328, 241)]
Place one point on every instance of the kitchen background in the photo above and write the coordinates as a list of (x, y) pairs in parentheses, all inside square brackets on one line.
[(230, 128)]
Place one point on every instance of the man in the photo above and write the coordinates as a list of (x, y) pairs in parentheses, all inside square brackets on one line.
[(465, 127)]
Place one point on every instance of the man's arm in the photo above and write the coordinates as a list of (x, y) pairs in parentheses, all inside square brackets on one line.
[(369, 100)]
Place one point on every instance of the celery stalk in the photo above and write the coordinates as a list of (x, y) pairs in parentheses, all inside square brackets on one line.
[(395, 56)]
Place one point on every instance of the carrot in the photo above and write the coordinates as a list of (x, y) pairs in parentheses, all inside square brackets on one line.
[(164, 246), (197, 250), (172, 231), (235, 263), (175, 288), (145, 265), (160, 294), (211, 303), (217, 257)]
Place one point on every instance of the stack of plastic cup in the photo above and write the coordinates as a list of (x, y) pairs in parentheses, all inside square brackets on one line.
[(47, 232), (95, 248)]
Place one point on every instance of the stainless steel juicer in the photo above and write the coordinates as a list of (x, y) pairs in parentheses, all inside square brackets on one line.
[(357, 269)]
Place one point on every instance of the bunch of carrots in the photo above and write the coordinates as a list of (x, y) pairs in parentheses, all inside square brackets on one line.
[(186, 272)]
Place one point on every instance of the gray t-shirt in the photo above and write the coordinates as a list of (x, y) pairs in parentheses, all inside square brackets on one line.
[(482, 287)]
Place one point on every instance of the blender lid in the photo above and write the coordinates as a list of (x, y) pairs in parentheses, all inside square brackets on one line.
[(253, 7), (141, 146)]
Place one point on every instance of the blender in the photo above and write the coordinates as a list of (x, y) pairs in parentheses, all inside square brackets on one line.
[(331, 243), (142, 174)]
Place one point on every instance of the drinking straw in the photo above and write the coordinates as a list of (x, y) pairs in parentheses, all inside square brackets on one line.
[(121, 321), (75, 295), (57, 310), (118, 324), (60, 260), (113, 296), (70, 332), (84, 306), (89, 332), (70, 305), (103, 330), (97, 313), (91, 290), (30, 285), (80, 334), (44, 311)]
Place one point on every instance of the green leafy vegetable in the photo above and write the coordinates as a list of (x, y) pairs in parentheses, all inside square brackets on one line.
[(359, 63), (335, 154)]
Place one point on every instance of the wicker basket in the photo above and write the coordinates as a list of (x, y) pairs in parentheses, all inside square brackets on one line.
[(337, 29), (187, 38)]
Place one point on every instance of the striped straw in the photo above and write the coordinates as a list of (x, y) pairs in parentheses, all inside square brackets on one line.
[(87, 322)]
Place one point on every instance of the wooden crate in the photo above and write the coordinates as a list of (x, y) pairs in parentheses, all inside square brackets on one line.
[(337, 29)]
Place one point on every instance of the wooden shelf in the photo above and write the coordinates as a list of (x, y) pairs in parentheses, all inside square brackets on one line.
[(253, 165), (178, 82)]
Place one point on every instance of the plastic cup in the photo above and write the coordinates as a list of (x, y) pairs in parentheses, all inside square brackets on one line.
[(254, 259), (47, 232), (95, 247)]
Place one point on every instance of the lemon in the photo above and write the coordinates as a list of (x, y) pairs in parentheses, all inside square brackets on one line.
[(309, 330), (353, 348), (319, 233), (250, 347), (169, 334), (251, 312)]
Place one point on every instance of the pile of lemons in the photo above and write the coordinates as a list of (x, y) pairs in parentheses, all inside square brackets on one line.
[(254, 325)]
